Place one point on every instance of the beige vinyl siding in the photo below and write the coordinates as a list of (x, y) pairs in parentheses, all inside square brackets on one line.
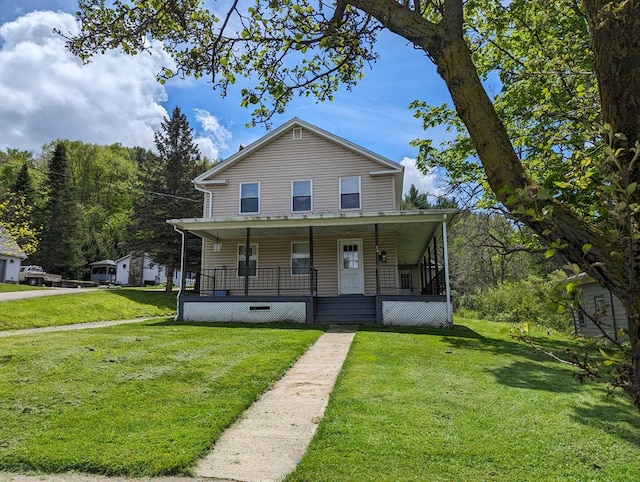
[(276, 252), (276, 164)]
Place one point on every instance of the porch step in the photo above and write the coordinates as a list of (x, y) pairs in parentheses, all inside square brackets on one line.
[(346, 309)]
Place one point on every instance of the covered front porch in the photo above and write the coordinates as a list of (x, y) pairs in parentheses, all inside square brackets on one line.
[(385, 267)]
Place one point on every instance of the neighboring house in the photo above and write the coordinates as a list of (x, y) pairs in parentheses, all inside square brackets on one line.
[(140, 270), (10, 258), (600, 304), (327, 241), (103, 271)]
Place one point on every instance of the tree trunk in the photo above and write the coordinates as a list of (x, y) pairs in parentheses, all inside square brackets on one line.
[(611, 259), (615, 40)]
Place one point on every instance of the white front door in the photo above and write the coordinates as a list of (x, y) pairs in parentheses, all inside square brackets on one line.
[(350, 267)]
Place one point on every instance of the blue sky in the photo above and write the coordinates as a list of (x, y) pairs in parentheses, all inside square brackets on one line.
[(46, 94)]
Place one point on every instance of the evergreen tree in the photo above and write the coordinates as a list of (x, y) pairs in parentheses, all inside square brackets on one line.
[(24, 185), (17, 212), (167, 193), (60, 246), (415, 200)]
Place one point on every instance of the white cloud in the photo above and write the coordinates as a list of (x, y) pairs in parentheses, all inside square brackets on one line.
[(46, 93), (215, 137), (425, 183)]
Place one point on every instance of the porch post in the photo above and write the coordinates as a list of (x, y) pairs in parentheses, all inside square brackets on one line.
[(423, 275), (375, 231), (435, 260), (247, 247), (311, 260), (445, 255), (428, 270)]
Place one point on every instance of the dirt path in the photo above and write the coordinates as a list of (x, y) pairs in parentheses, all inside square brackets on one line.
[(76, 326)]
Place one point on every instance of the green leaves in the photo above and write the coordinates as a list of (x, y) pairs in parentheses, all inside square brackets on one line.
[(284, 47)]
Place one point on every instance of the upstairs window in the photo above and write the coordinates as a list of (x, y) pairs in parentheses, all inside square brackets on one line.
[(300, 259), (350, 192), (301, 196), (249, 197)]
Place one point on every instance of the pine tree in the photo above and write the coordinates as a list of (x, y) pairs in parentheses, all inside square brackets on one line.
[(24, 185), (17, 212), (167, 193), (60, 246)]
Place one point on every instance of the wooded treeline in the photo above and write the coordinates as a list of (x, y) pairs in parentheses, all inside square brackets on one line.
[(498, 268), (76, 203)]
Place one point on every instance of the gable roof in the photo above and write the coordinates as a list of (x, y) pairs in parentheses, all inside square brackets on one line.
[(386, 166), (8, 246)]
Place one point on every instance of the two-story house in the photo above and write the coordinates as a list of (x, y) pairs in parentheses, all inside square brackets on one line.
[(305, 226)]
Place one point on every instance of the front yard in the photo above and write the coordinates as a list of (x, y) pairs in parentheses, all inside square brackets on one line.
[(468, 404), (139, 399), (410, 404)]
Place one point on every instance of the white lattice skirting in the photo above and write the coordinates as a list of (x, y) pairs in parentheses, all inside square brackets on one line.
[(415, 313), (250, 312)]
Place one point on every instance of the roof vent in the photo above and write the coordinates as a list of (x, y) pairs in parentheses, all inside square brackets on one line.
[(297, 132)]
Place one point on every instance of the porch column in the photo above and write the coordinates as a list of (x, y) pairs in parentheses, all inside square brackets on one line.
[(311, 277), (435, 260), (247, 247), (445, 255), (375, 231), (428, 269)]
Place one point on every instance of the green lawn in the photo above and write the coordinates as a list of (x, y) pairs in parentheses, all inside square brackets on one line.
[(139, 399), (410, 404), (468, 404), (97, 305)]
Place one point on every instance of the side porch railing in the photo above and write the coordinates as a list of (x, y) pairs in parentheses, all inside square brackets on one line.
[(274, 281), (407, 279)]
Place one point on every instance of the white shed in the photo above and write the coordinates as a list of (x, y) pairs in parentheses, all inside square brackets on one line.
[(139, 270), (10, 258)]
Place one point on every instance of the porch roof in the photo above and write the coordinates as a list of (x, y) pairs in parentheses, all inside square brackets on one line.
[(414, 229)]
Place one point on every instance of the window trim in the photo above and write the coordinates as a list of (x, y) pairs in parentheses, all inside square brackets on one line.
[(240, 198), (308, 257), (238, 275), (310, 181), (297, 133), (359, 193)]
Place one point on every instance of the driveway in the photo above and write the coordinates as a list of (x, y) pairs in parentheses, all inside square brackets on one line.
[(19, 295)]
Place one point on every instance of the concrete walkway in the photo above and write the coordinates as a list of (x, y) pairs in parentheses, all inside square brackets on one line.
[(269, 439)]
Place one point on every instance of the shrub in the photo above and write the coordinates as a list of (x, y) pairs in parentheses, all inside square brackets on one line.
[(518, 302)]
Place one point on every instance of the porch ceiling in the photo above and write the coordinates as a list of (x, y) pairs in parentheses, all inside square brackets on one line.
[(414, 229)]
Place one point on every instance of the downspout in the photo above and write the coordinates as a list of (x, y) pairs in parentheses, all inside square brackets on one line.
[(210, 203), (183, 273), (445, 255)]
